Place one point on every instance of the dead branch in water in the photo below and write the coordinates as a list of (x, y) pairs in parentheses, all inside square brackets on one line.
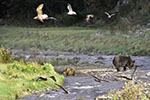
[(52, 77), (62, 88), (132, 75), (98, 79), (125, 77)]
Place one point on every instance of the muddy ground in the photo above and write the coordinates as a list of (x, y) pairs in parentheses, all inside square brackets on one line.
[(84, 86)]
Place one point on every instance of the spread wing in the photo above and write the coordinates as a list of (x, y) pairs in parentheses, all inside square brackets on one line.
[(69, 7), (53, 18), (39, 9), (107, 13), (112, 14)]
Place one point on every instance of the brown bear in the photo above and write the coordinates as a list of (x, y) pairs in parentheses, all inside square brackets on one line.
[(69, 72), (123, 61)]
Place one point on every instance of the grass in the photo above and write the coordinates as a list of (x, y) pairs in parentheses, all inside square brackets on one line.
[(18, 79), (73, 39)]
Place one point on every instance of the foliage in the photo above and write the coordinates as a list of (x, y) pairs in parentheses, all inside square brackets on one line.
[(6, 56), (19, 79), (14, 14), (131, 91), (31, 67)]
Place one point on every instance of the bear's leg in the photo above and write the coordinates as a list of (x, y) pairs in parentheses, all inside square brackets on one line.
[(124, 68), (118, 69), (73, 73)]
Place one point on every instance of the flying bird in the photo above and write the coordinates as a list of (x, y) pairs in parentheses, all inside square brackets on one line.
[(52, 18), (90, 18), (40, 16), (109, 16), (71, 12)]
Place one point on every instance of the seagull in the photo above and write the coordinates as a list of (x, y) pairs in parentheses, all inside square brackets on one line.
[(71, 12), (109, 16), (52, 18), (40, 16)]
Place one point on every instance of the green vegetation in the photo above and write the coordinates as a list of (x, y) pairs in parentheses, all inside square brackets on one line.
[(20, 78), (5, 56), (74, 39), (131, 91)]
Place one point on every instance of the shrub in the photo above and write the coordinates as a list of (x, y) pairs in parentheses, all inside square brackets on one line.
[(131, 91), (31, 67), (6, 56)]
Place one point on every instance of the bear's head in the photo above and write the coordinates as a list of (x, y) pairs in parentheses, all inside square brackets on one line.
[(131, 62)]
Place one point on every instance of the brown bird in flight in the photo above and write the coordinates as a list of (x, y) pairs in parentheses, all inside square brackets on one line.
[(40, 16)]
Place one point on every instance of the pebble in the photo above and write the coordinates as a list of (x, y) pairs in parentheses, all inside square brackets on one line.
[(148, 74)]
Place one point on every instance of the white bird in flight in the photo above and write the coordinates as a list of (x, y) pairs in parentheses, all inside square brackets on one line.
[(40, 16), (109, 16), (71, 12)]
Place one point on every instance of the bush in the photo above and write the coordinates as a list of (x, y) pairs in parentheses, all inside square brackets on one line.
[(31, 67), (6, 56), (131, 91)]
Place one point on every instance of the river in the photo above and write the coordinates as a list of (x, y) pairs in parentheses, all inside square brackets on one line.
[(85, 87)]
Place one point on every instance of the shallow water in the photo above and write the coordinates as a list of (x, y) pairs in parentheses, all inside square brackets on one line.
[(142, 61), (85, 86), (78, 87)]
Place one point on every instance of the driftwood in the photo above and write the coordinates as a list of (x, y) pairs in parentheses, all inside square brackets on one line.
[(54, 79), (125, 77), (41, 78), (62, 88), (132, 75), (45, 79), (98, 79)]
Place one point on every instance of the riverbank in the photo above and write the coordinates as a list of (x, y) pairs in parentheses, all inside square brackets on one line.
[(82, 85), (18, 79), (85, 87), (82, 82)]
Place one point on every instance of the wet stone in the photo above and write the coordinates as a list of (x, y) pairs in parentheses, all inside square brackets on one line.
[(103, 97), (148, 74)]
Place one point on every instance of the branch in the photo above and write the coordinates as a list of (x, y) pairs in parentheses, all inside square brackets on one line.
[(134, 72), (41, 78), (132, 75), (98, 79), (125, 77), (62, 88)]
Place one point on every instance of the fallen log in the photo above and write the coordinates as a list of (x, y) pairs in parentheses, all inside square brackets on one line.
[(41, 78), (132, 75), (125, 77), (52, 77), (62, 88)]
